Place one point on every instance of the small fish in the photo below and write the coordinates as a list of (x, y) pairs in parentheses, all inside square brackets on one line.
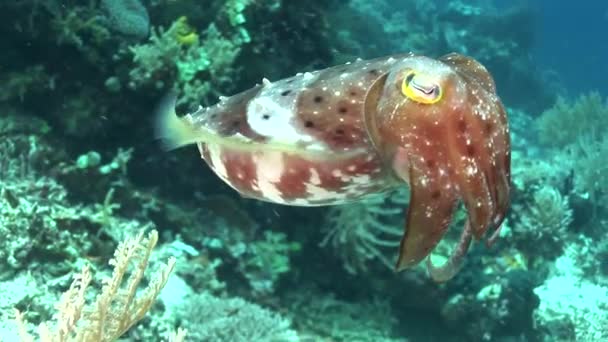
[(336, 135)]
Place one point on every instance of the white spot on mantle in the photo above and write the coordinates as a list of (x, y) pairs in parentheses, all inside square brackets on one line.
[(266, 117), (272, 114)]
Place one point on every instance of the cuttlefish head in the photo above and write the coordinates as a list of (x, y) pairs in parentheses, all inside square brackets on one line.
[(441, 127)]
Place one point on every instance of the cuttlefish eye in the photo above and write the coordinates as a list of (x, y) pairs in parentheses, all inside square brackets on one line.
[(421, 88)]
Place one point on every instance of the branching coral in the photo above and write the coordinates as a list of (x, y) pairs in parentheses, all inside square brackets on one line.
[(157, 57), (543, 223), (168, 54), (202, 65), (116, 309), (78, 26), (265, 260), (36, 219), (567, 120), (591, 171), (17, 84), (577, 128)]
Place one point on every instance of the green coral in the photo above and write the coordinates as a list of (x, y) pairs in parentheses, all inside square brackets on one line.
[(214, 319), (266, 260), (235, 11), (155, 58), (78, 25), (261, 261), (567, 120), (323, 317), (591, 176), (199, 66), (17, 84), (578, 129), (37, 220)]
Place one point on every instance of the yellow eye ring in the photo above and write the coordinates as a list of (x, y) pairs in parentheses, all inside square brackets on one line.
[(421, 88)]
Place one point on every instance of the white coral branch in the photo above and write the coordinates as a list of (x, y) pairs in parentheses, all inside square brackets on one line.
[(116, 309)]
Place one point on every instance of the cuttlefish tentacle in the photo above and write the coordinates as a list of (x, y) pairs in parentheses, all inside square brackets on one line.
[(502, 159), (449, 269), (502, 186)]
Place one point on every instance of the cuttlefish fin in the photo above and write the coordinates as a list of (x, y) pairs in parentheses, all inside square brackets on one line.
[(175, 132), (432, 203), (370, 110)]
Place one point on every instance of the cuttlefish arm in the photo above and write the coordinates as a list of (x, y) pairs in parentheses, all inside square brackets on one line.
[(445, 131), (432, 197), (432, 204), (480, 149)]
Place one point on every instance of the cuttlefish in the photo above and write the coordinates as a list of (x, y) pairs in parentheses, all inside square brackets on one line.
[(335, 135)]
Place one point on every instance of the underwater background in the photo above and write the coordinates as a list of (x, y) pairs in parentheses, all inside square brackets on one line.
[(104, 236)]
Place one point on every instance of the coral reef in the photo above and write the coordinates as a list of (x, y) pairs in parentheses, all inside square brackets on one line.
[(129, 17), (322, 316), (543, 222), (233, 319), (363, 231), (571, 306), (80, 173), (116, 309), (566, 121)]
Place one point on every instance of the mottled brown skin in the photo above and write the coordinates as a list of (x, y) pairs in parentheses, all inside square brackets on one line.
[(335, 120), (352, 131), (456, 148), (338, 120)]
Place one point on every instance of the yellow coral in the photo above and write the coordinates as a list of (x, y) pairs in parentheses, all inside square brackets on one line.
[(185, 33), (116, 309)]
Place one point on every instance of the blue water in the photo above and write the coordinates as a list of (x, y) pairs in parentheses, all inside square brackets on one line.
[(571, 40)]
